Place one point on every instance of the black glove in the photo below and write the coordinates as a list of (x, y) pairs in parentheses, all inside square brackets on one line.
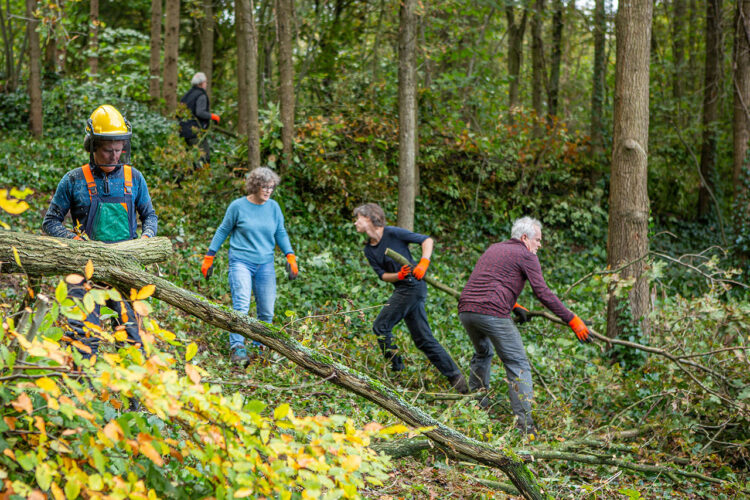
[(521, 313)]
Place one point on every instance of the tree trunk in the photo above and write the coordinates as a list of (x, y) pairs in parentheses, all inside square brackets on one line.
[(116, 265), (712, 86), (741, 74), (171, 49), (515, 56), (6, 31), (628, 200), (207, 43), (597, 93), (537, 66), (407, 113), (284, 13), (35, 71), (555, 61), (154, 65), (243, 108), (93, 39), (679, 12), (251, 79)]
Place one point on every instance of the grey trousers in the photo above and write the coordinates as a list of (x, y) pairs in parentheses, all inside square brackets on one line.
[(486, 331)]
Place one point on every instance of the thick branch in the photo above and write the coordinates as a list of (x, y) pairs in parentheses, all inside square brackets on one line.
[(112, 267)]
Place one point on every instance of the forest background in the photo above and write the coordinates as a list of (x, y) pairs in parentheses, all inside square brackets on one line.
[(457, 117)]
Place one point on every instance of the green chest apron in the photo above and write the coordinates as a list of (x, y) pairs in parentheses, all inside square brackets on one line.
[(111, 218)]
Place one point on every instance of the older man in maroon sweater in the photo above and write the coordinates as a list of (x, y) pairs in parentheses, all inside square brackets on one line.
[(485, 306)]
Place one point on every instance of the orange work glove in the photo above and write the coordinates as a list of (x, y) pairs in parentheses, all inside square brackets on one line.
[(207, 268), (421, 268), (580, 329), (291, 266), (404, 272), (522, 313), (215, 118)]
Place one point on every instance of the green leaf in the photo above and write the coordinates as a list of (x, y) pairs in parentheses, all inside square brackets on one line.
[(61, 292), (43, 475), (191, 351)]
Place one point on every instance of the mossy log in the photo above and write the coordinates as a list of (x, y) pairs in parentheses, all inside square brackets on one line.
[(119, 265)]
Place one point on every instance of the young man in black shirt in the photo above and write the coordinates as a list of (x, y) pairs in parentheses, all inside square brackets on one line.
[(409, 294)]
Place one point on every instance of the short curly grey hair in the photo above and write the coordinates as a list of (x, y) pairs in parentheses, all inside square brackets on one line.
[(198, 78), (526, 225), (260, 177), (373, 212)]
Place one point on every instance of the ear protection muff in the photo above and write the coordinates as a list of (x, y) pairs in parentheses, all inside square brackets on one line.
[(88, 143)]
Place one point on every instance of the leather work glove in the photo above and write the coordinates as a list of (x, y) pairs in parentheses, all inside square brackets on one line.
[(521, 313), (215, 117), (580, 329), (421, 268), (404, 272), (207, 268), (291, 266)]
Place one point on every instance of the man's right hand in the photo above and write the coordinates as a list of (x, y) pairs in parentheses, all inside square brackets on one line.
[(521, 313), (207, 268), (215, 117), (404, 272), (580, 329)]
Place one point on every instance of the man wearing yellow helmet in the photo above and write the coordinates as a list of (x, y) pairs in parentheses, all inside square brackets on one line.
[(103, 198)]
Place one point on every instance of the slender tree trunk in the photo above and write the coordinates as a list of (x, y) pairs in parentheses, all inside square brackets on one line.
[(171, 49), (35, 71), (515, 55), (154, 65), (93, 39), (741, 72), (628, 200), (207, 42), (407, 113), (243, 107), (712, 86), (251, 77), (597, 93), (679, 13), (691, 82), (284, 13), (555, 60), (6, 31), (537, 66)]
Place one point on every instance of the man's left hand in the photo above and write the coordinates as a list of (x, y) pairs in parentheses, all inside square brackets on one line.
[(291, 266), (421, 268)]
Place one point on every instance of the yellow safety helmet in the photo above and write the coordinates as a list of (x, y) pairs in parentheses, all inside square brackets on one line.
[(107, 124)]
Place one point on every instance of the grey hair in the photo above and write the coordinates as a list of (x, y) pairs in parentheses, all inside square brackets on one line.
[(259, 177), (526, 225), (372, 211), (198, 78)]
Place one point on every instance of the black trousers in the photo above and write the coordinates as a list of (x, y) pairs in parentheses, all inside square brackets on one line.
[(407, 303)]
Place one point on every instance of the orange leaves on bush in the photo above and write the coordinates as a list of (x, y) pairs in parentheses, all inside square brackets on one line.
[(23, 403), (145, 447), (192, 373), (113, 431)]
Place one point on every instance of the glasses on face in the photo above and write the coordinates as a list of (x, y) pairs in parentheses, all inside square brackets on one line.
[(268, 188)]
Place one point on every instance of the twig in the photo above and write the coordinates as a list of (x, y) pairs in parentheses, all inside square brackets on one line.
[(268, 386), (605, 483)]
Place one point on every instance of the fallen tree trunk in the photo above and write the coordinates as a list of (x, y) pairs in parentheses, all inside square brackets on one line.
[(117, 265)]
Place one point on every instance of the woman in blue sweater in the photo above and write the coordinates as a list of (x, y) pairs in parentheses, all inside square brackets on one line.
[(254, 225)]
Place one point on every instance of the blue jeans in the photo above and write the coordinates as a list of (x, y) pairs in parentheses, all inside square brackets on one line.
[(246, 278), (486, 332)]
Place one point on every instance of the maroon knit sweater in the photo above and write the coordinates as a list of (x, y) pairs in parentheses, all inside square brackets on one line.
[(499, 277)]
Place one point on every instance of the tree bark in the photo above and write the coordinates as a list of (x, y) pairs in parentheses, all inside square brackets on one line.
[(597, 92), (712, 86), (679, 12), (207, 25), (93, 39), (555, 61), (741, 76), (284, 13), (537, 66), (628, 200), (116, 266), (515, 55), (35, 71), (154, 65), (243, 108), (251, 80), (407, 113), (171, 50)]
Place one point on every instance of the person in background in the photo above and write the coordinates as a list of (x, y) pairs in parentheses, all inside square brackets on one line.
[(196, 100), (484, 310), (407, 302), (254, 225), (104, 198)]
